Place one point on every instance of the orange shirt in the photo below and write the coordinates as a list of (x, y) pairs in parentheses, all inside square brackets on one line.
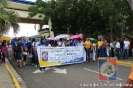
[(131, 74)]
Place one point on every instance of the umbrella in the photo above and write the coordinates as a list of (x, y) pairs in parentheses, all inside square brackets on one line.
[(51, 38), (4, 38), (36, 36), (92, 39), (62, 36), (76, 36)]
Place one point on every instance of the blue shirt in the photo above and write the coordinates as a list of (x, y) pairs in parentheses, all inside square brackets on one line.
[(25, 44), (72, 43), (46, 42), (14, 43), (41, 44), (29, 44)]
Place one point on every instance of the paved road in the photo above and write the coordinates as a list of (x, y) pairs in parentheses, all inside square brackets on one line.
[(77, 74)]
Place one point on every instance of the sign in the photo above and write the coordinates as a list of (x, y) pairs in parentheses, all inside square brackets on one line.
[(53, 56), (107, 69)]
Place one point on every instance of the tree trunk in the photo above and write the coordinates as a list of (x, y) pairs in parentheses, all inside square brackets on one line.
[(111, 34)]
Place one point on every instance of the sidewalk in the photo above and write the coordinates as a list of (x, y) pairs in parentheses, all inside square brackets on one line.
[(5, 78)]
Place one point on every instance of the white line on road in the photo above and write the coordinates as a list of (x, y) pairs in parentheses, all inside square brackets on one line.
[(97, 73)]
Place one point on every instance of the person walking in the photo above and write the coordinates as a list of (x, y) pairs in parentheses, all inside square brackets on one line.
[(126, 48), (93, 50), (4, 51), (87, 45), (99, 46), (19, 53), (35, 45), (117, 46), (25, 49)]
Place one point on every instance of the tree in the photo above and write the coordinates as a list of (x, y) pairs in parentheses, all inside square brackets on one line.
[(8, 18), (90, 17)]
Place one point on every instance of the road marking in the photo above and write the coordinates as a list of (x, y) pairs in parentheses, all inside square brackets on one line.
[(57, 70), (38, 71), (16, 83), (97, 73)]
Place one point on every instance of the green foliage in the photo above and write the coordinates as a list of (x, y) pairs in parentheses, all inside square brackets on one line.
[(90, 17), (8, 18)]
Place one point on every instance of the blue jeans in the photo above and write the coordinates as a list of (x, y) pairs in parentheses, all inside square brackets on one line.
[(100, 52), (126, 51), (3, 58), (104, 54), (118, 53), (88, 54), (35, 57)]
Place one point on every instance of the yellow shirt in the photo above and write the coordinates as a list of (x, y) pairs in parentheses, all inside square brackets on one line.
[(99, 44), (131, 74), (87, 44)]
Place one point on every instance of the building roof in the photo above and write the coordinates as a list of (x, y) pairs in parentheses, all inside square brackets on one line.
[(30, 2), (43, 29)]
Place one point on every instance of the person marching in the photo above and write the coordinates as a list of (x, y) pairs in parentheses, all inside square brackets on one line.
[(87, 45), (4, 51), (93, 48), (25, 49)]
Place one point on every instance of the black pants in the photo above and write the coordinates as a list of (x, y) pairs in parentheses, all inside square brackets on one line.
[(24, 56), (112, 52), (42, 68)]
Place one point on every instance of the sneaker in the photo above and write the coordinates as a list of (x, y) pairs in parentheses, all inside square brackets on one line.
[(18, 66), (35, 65), (24, 63), (22, 67)]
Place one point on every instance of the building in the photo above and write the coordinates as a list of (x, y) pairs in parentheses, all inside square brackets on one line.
[(21, 8)]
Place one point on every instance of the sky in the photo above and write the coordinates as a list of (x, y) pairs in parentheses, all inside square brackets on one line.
[(25, 30)]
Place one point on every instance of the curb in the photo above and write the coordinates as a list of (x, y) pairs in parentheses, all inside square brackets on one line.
[(19, 82), (124, 63)]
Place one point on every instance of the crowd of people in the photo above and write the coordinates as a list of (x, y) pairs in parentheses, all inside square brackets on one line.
[(121, 48)]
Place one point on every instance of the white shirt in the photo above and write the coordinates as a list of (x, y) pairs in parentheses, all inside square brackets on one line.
[(117, 45), (80, 44), (111, 45), (126, 44), (49, 45), (35, 44), (63, 44), (59, 43)]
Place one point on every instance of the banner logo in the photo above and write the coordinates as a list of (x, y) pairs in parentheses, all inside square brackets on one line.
[(107, 69)]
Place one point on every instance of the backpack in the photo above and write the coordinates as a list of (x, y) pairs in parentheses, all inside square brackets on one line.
[(16, 48)]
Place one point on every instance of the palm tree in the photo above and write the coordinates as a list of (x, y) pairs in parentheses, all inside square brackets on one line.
[(8, 19)]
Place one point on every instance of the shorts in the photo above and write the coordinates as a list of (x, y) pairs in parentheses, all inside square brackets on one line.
[(19, 56)]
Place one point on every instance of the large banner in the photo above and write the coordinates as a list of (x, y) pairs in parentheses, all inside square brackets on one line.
[(53, 56)]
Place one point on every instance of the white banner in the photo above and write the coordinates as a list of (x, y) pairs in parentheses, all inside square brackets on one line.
[(52, 56)]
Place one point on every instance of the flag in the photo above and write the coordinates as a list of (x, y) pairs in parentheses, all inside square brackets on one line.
[(107, 69)]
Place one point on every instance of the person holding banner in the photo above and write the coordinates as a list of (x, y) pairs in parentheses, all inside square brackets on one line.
[(35, 44), (79, 43), (42, 43)]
